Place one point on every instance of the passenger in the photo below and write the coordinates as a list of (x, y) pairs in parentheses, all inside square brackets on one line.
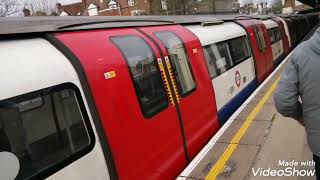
[(298, 92)]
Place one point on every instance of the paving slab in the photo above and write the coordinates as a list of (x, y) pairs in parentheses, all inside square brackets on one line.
[(253, 136), (208, 161), (266, 113), (236, 167), (286, 141)]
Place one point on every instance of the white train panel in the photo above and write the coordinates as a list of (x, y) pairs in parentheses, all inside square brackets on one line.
[(270, 23), (277, 49), (212, 34), (32, 65), (285, 29), (232, 82)]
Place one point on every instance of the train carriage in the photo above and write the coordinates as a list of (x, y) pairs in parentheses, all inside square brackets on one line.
[(275, 39), (230, 64), (260, 47), (284, 35), (287, 33), (125, 98)]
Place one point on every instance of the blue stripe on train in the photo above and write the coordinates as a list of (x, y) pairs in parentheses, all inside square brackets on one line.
[(227, 110)]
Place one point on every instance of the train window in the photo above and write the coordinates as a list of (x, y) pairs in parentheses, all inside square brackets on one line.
[(223, 56), (277, 34), (259, 38), (239, 49), (262, 40), (255, 30), (218, 58), (211, 61), (282, 32), (179, 60), (46, 130), (272, 36), (146, 77)]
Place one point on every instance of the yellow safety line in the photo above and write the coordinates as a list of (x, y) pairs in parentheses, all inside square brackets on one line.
[(218, 167)]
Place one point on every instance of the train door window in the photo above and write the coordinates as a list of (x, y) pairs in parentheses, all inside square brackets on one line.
[(46, 130), (180, 61), (211, 61), (282, 32), (145, 74), (239, 49), (260, 38), (223, 56), (255, 30), (272, 36), (277, 34), (219, 56)]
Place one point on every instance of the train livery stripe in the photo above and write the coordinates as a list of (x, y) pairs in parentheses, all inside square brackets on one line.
[(108, 156), (166, 82), (174, 84), (218, 167), (230, 107)]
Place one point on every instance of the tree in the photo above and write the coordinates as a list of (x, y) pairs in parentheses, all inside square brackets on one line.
[(9, 8), (41, 7)]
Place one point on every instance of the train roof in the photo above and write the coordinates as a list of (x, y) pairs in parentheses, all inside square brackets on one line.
[(16, 25), (26, 25), (209, 35)]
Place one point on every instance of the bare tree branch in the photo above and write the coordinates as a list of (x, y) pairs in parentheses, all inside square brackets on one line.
[(9, 7), (41, 7)]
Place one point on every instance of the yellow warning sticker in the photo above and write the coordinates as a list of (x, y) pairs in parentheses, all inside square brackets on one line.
[(195, 50), (110, 74)]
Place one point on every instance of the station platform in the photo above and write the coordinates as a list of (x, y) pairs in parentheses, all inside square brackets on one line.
[(256, 138)]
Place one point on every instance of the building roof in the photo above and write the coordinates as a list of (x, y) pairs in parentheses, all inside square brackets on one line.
[(74, 9)]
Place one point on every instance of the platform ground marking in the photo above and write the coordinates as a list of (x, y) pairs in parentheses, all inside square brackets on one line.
[(218, 167)]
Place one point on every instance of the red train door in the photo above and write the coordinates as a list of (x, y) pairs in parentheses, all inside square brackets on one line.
[(196, 103), (127, 77), (283, 35), (261, 47)]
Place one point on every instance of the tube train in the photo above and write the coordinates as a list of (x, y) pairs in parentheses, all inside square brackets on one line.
[(128, 98)]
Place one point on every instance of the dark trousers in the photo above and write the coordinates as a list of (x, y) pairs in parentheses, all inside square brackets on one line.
[(316, 159)]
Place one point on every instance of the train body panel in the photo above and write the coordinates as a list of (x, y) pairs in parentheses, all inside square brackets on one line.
[(233, 87), (277, 52), (260, 47), (41, 97), (274, 34), (217, 33), (284, 34), (127, 99), (286, 30), (232, 74), (132, 136), (146, 142), (198, 129)]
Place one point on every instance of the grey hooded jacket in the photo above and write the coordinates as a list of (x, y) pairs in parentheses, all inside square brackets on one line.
[(301, 78)]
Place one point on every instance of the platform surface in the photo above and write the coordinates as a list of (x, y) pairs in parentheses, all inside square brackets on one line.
[(255, 137)]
